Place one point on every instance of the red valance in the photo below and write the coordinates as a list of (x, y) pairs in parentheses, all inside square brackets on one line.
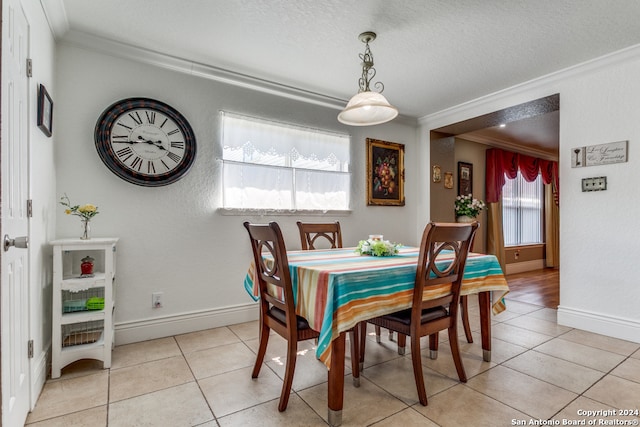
[(501, 163)]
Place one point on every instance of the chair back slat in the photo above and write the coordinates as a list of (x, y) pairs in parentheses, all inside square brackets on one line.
[(452, 240), (312, 233)]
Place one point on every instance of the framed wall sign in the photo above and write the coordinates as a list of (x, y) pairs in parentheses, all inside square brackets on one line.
[(448, 180), (437, 173), (45, 111), (465, 179), (385, 173)]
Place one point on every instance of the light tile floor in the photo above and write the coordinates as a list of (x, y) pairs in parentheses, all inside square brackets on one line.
[(539, 371)]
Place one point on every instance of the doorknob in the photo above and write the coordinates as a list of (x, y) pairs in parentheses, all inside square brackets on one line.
[(18, 242)]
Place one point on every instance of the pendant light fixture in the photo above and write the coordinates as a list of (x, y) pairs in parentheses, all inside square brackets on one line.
[(367, 107)]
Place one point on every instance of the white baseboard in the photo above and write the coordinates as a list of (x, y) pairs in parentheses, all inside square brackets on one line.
[(521, 267), (617, 327), (160, 327), (39, 371)]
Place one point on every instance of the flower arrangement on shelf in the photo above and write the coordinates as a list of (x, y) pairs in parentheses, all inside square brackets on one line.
[(375, 246), (85, 212), (468, 206)]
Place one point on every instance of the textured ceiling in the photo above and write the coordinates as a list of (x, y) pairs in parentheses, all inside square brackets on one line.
[(430, 54)]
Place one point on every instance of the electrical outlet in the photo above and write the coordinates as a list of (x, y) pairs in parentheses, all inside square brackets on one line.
[(156, 300)]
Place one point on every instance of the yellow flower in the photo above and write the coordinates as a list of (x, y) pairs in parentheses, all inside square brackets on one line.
[(67, 211), (87, 208)]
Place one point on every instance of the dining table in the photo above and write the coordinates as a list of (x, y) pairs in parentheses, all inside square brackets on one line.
[(336, 289)]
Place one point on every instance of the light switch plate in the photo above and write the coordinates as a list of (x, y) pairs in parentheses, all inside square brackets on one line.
[(594, 184)]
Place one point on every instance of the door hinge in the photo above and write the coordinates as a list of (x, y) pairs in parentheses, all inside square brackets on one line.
[(29, 67), (29, 208), (30, 349)]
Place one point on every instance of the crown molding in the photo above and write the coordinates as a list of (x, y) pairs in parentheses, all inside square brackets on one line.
[(56, 16), (146, 56), (181, 65), (537, 88)]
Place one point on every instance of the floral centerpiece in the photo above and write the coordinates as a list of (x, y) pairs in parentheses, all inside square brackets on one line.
[(85, 212), (467, 206), (377, 247)]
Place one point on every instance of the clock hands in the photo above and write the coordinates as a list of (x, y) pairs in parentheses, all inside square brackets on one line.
[(143, 139), (156, 143)]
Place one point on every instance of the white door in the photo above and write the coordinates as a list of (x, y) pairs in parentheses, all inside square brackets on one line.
[(14, 291)]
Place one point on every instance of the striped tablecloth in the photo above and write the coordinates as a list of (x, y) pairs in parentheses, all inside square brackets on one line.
[(337, 288)]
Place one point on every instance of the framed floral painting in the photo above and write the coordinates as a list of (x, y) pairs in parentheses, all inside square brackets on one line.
[(385, 173)]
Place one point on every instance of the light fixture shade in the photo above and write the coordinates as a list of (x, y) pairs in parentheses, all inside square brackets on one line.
[(367, 109)]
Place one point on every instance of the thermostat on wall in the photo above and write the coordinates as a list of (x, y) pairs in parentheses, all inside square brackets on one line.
[(594, 184)]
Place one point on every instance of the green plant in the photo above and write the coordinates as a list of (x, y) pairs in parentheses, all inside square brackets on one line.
[(468, 206), (377, 247)]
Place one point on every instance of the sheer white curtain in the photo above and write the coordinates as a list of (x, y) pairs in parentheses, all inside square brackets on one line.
[(270, 165), (522, 211)]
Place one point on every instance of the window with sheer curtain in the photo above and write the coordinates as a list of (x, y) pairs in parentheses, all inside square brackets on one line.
[(522, 211), (277, 166)]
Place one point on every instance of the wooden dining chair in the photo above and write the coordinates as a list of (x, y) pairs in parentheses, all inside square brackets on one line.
[(428, 317), (329, 234), (277, 309)]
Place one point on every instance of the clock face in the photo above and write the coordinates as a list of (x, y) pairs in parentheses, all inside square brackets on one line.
[(145, 142)]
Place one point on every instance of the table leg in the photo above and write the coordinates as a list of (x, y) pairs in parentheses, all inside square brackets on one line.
[(484, 300), (336, 381)]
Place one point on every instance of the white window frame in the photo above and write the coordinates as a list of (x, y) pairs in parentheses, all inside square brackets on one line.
[(267, 161)]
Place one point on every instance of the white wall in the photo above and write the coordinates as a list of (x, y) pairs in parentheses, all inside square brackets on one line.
[(173, 239), (474, 153), (599, 234)]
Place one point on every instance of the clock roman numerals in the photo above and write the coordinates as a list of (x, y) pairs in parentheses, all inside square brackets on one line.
[(151, 117), (177, 144), (173, 156), (124, 154), (136, 163), (151, 169), (135, 116)]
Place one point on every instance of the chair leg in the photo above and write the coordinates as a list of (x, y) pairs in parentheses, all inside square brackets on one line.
[(455, 351), (464, 313), (402, 344), (363, 340), (292, 353), (417, 367), (262, 349), (378, 340), (433, 345), (354, 339)]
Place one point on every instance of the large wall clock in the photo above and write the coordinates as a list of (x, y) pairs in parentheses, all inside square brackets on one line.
[(145, 142)]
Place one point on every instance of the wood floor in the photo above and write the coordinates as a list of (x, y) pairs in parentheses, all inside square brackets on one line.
[(540, 287)]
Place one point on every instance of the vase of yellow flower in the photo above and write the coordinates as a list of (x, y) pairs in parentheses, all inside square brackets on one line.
[(85, 212)]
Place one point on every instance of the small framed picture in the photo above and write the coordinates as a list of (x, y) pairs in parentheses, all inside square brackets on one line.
[(448, 180), (437, 173), (465, 179), (385, 173), (45, 111)]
